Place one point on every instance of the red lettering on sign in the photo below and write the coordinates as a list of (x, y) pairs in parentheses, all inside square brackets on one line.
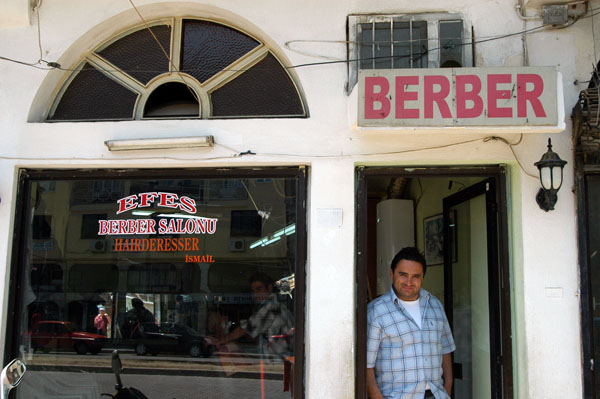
[(127, 203), (438, 97), (151, 228), (462, 96), (167, 200), (187, 205), (532, 96), (494, 94), (147, 199), (379, 97), (212, 226), (402, 95), (102, 227), (132, 226)]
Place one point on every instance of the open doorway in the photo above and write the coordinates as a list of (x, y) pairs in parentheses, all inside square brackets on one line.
[(457, 218)]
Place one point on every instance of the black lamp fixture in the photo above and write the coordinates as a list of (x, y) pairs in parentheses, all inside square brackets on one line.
[(551, 180)]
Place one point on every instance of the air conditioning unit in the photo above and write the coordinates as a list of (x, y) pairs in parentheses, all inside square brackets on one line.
[(98, 246), (237, 245)]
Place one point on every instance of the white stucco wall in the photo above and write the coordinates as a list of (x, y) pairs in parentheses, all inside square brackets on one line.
[(543, 246)]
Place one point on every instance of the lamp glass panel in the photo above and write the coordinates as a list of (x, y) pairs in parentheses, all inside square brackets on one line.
[(546, 178), (556, 177)]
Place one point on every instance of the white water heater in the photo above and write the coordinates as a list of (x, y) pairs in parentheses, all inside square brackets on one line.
[(395, 230)]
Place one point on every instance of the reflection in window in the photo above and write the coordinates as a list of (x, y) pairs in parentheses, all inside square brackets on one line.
[(139, 281)]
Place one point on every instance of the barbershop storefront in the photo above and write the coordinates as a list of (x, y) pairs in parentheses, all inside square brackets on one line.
[(206, 199), (458, 215)]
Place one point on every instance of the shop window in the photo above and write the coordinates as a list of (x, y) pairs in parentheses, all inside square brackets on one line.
[(406, 41), (245, 223), (42, 229), (89, 225), (169, 279), (180, 68), (47, 277)]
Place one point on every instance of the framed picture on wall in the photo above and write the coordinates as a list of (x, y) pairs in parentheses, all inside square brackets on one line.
[(433, 229)]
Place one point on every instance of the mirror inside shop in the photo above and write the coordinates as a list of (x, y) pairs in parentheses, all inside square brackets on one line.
[(192, 281)]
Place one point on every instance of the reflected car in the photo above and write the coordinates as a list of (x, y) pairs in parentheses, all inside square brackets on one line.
[(174, 338), (65, 336)]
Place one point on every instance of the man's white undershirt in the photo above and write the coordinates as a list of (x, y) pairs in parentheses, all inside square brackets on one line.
[(414, 310)]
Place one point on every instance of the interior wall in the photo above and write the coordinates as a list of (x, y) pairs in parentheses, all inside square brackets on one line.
[(428, 194), (480, 315), (462, 297)]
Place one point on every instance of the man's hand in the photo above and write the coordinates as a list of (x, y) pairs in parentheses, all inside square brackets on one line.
[(447, 372), (372, 388)]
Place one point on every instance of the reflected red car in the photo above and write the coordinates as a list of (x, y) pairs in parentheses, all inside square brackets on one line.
[(65, 336)]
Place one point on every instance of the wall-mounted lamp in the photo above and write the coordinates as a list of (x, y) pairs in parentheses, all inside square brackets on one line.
[(551, 179), (156, 144)]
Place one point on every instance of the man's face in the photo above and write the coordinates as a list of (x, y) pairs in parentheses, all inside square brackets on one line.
[(407, 279), (260, 291)]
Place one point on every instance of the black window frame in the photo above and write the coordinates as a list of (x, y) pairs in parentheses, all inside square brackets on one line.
[(19, 250)]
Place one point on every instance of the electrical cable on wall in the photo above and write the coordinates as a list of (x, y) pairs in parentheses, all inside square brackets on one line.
[(54, 65), (237, 154)]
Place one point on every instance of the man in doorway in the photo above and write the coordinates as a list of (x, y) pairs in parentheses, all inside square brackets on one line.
[(409, 342)]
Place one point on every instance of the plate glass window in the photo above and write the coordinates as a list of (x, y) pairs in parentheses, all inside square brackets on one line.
[(192, 279)]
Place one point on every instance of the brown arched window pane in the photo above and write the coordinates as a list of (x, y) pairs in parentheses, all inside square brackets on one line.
[(94, 96), (140, 55), (207, 48), (264, 90)]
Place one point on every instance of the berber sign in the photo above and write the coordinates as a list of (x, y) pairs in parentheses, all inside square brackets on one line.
[(458, 97)]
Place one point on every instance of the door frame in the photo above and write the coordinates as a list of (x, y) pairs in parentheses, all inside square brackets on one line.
[(582, 171), (495, 172), (485, 187)]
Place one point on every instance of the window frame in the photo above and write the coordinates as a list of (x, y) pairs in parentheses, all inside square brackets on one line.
[(201, 90), (19, 246), (433, 27)]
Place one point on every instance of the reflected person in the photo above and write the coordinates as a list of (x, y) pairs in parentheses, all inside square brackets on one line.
[(409, 342), (102, 321), (272, 324), (138, 319)]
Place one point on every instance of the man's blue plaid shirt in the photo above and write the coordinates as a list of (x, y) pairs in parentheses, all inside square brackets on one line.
[(405, 357)]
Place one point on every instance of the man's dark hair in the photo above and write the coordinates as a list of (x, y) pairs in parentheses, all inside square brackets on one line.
[(263, 278), (137, 303), (409, 253)]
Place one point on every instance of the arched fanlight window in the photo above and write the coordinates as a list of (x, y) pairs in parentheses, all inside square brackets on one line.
[(179, 68)]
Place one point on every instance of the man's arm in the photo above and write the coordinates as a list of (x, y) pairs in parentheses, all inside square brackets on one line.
[(372, 388), (447, 372), (232, 336)]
